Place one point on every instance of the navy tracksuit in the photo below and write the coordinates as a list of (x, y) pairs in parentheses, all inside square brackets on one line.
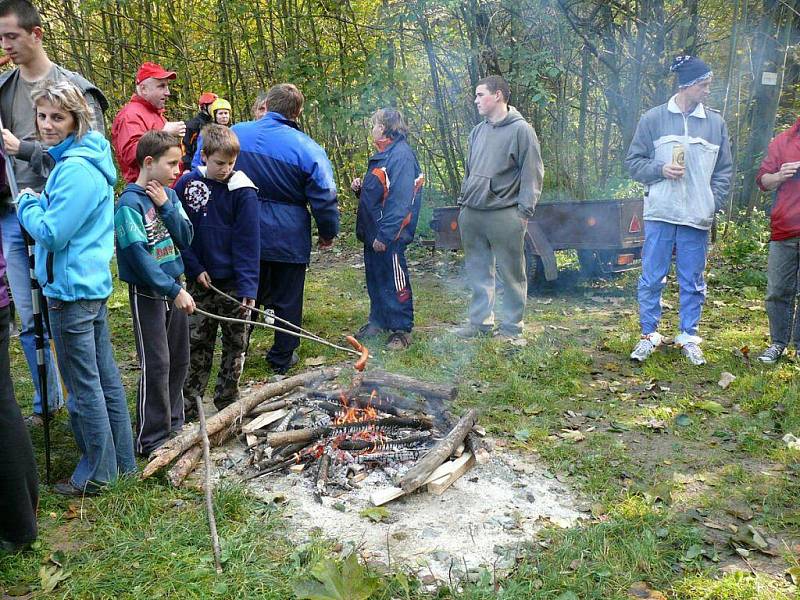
[(388, 211)]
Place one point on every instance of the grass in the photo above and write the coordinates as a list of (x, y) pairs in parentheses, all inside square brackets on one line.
[(666, 450)]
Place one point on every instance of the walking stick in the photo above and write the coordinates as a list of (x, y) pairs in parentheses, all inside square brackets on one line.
[(37, 302)]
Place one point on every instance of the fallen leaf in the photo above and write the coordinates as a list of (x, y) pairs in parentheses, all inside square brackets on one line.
[(683, 420), (791, 441), (572, 435), (749, 536), (522, 435), (740, 511), (725, 379), (50, 576), (642, 590), (794, 575), (375, 513), (710, 406), (315, 361)]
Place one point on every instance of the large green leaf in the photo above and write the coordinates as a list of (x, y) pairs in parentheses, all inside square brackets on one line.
[(348, 580)]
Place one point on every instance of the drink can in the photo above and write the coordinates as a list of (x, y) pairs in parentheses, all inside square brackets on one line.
[(679, 155)]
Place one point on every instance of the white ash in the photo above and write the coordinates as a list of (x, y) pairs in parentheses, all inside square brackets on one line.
[(482, 521)]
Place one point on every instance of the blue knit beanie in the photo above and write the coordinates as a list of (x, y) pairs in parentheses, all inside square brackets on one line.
[(690, 70)]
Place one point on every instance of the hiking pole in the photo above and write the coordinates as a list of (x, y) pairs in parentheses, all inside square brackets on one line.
[(37, 302)]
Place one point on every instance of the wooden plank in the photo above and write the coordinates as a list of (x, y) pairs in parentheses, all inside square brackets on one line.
[(384, 495), (264, 420), (466, 462)]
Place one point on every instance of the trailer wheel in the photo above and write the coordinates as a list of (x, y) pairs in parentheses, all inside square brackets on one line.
[(534, 269)]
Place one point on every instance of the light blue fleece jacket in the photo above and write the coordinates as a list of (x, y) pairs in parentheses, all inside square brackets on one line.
[(72, 220)]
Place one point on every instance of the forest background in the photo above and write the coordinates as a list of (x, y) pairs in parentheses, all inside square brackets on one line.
[(582, 71)]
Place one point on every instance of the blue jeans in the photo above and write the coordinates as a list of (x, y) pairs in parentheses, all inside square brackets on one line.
[(19, 278), (690, 245), (97, 408)]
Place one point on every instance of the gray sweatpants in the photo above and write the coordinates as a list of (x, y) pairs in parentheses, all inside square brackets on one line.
[(783, 277), (494, 242)]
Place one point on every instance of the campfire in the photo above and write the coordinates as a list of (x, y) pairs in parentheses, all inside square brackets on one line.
[(381, 421), (341, 436)]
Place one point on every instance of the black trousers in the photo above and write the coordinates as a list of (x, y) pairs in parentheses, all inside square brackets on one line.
[(280, 288), (162, 345), (19, 481)]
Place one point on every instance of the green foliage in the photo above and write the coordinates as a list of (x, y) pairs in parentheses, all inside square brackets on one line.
[(332, 580)]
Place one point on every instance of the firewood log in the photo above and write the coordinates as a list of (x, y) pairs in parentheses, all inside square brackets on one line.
[(232, 415), (417, 474), (379, 378)]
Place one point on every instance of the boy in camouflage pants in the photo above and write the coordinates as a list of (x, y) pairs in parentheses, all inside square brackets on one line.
[(223, 207)]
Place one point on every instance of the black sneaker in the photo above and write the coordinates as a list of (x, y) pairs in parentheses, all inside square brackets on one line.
[(285, 369)]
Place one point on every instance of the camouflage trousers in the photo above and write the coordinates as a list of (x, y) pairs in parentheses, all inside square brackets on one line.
[(202, 340)]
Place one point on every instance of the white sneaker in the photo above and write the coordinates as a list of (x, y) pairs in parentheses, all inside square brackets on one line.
[(693, 353), (646, 346), (690, 347)]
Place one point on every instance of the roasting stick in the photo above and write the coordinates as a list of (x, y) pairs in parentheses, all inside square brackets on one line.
[(208, 486), (276, 328), (271, 316)]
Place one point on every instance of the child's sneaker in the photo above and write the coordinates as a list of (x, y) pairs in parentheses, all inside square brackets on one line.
[(646, 346), (693, 353)]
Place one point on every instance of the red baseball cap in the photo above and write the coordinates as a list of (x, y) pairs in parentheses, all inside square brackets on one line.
[(155, 70), (207, 98)]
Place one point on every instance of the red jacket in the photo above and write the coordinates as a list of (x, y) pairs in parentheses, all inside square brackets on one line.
[(133, 120), (785, 218)]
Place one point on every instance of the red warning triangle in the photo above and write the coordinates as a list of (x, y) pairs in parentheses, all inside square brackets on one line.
[(635, 226)]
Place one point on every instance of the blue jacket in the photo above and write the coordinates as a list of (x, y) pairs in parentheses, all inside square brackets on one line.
[(72, 220), (225, 221), (292, 173), (148, 239), (390, 197)]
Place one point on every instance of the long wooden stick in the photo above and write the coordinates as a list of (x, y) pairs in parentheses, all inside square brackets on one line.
[(229, 416), (417, 474), (208, 486)]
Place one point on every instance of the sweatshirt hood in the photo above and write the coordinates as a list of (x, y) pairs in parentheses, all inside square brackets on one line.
[(92, 147), (512, 117), (236, 181)]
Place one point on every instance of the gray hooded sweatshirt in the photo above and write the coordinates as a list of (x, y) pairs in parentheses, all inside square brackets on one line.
[(692, 199), (504, 167)]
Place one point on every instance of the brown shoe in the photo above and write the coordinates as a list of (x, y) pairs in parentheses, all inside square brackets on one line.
[(399, 340)]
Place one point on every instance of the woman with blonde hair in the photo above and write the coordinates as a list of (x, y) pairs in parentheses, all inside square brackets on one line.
[(72, 221)]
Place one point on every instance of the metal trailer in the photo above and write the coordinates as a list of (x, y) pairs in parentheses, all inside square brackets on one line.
[(607, 234)]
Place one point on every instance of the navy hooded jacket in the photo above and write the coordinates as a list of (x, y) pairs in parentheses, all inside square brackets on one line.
[(390, 197), (224, 216), (292, 173)]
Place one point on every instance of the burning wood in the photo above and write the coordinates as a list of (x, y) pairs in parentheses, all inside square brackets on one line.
[(348, 435)]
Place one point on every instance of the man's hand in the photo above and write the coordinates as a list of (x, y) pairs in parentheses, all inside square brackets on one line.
[(184, 301), (11, 142), (325, 244), (175, 128), (378, 246), (672, 171), (786, 172), (248, 304), (204, 279), (355, 185), (156, 192)]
